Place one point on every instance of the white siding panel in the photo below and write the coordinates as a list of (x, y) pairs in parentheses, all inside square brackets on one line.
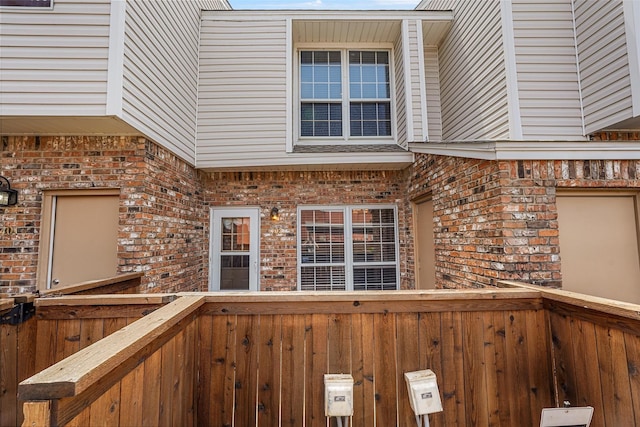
[(432, 77), (161, 69), (401, 95), (603, 60), (547, 69), (54, 62), (242, 95), (472, 72)]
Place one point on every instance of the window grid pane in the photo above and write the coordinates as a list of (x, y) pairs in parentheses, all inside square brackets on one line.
[(373, 243)]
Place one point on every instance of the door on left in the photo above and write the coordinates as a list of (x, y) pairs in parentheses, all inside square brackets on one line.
[(79, 237)]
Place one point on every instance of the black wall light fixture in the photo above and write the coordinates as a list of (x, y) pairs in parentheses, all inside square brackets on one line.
[(8, 197), (275, 214)]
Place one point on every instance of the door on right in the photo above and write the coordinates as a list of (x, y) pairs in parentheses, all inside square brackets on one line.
[(599, 243)]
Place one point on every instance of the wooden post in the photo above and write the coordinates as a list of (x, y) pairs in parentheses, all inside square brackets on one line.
[(37, 414)]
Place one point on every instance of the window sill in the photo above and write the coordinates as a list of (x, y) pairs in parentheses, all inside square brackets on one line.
[(348, 148)]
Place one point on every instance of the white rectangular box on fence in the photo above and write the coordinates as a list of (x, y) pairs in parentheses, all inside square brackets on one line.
[(424, 396), (338, 395)]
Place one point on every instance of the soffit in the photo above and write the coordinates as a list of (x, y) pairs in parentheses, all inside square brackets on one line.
[(346, 26)]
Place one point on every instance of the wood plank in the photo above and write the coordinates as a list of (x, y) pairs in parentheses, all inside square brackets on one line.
[(491, 368), (177, 397), (585, 356), (229, 391), (632, 344), (409, 356), (83, 419), (104, 286), (105, 411), (167, 379), (616, 387), (430, 351), (27, 336), (267, 305), (269, 371), (500, 369), (103, 300), (362, 355), (132, 392), (475, 394), (8, 375), (518, 365), (81, 370), (247, 337), (204, 363), (339, 344), (190, 374), (6, 304), (385, 359), (316, 365), (46, 337), (539, 354), (453, 368), (37, 414), (293, 373), (91, 330), (151, 380), (64, 312), (563, 358), (70, 338)]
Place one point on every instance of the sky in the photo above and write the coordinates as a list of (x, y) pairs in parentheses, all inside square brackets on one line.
[(325, 4)]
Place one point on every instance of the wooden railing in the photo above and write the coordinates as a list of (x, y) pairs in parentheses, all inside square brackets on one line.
[(500, 356), (61, 328)]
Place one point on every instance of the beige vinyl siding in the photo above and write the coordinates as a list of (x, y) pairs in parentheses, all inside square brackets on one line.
[(401, 96), (547, 72), (242, 97), (415, 98), (603, 60), (472, 72), (432, 81), (160, 71), (54, 62)]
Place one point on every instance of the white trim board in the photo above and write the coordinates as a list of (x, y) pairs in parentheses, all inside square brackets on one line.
[(533, 150)]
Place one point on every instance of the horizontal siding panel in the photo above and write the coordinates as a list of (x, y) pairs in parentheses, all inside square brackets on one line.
[(472, 73), (545, 64), (161, 69), (242, 87), (604, 67), (432, 77), (54, 62)]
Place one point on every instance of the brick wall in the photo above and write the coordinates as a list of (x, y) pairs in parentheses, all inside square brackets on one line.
[(162, 222), (498, 219), (288, 190)]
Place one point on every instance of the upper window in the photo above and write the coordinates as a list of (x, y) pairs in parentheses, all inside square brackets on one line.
[(329, 111), (348, 248)]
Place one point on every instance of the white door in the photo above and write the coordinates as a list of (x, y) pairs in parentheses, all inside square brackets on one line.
[(234, 249)]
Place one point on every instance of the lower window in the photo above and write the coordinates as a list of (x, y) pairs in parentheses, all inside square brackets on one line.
[(348, 248)]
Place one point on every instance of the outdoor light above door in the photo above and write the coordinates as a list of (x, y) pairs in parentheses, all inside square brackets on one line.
[(8, 197)]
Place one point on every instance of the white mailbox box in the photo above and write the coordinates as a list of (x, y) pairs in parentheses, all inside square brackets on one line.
[(424, 396), (338, 395)]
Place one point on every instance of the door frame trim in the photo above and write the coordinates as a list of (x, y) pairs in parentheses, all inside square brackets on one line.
[(47, 218), (255, 231)]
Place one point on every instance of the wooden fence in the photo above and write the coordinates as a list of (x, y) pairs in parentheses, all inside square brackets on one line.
[(59, 329), (500, 356)]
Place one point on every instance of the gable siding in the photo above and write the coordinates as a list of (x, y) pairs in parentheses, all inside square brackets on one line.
[(604, 66), (472, 72), (547, 72), (432, 81), (54, 62), (401, 96), (161, 69), (242, 96)]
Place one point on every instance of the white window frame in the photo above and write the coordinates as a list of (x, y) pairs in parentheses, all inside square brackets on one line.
[(344, 48), (348, 241)]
